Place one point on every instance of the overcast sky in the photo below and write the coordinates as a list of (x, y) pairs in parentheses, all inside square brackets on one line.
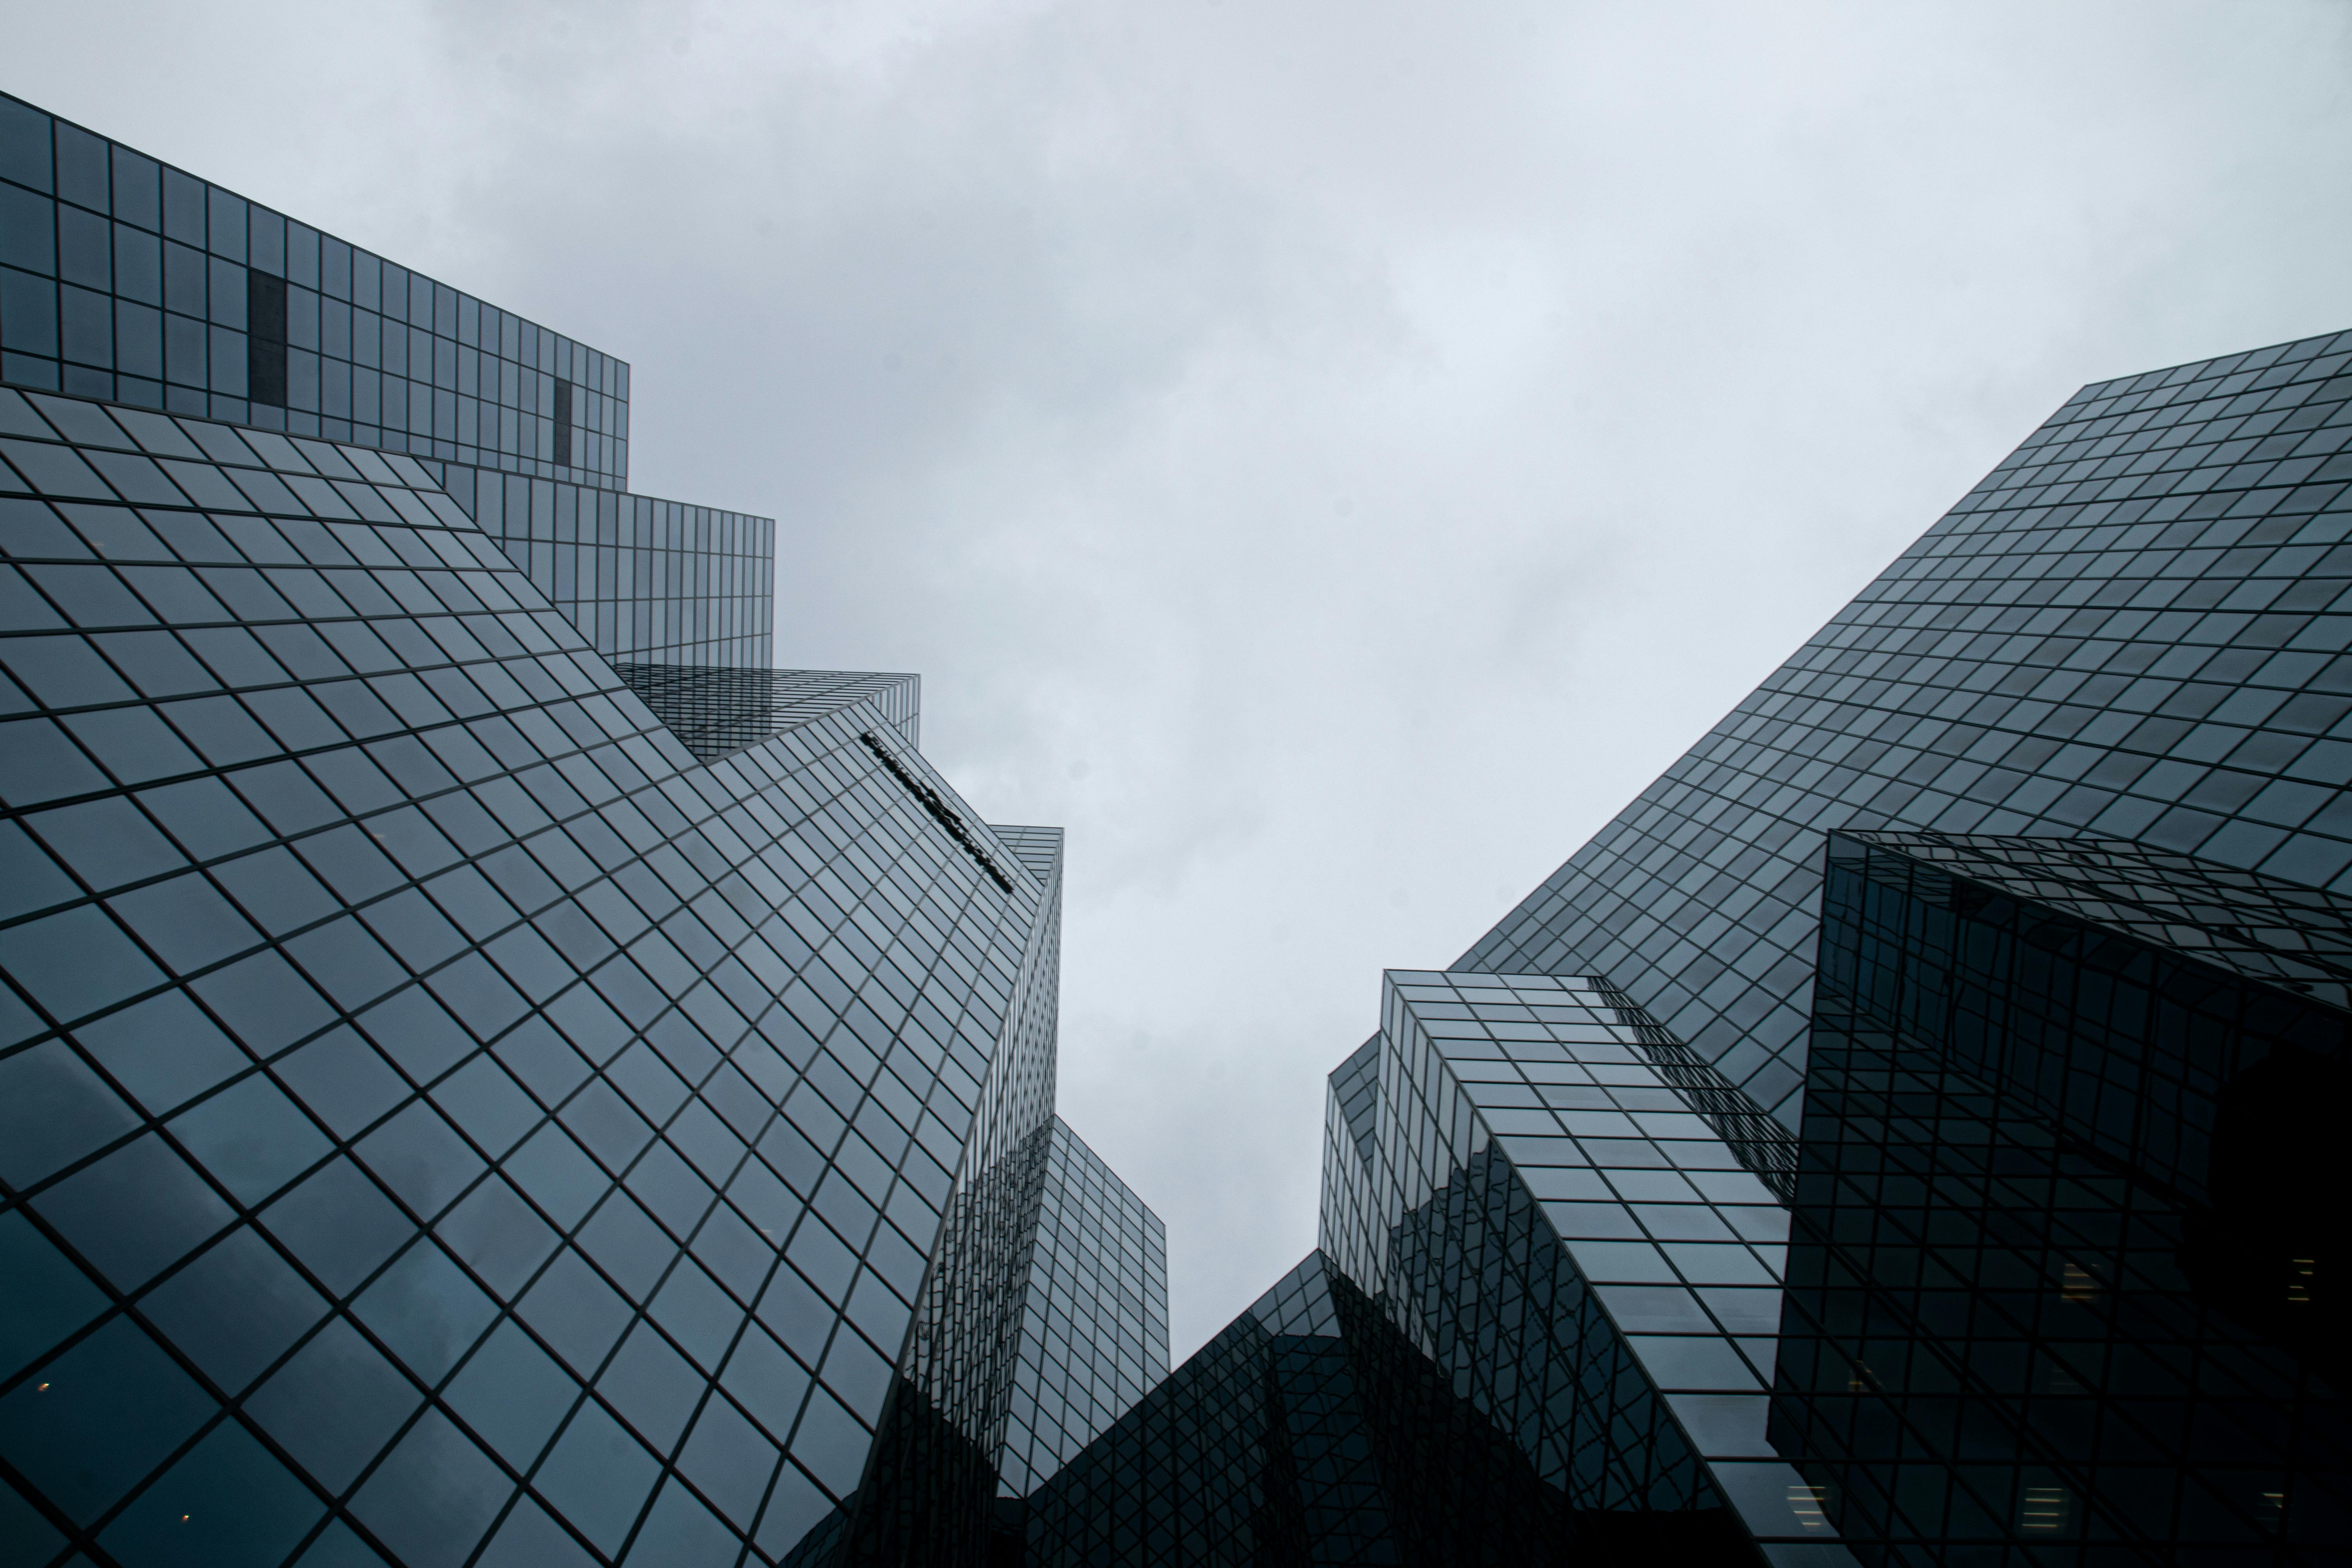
[(1328, 458)]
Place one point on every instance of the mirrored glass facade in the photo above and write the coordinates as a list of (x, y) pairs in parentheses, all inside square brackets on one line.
[(2135, 627), (125, 279), (2067, 1266), (2040, 1272), (1093, 1329), (490, 1072), (717, 709), (493, 1073), (650, 584)]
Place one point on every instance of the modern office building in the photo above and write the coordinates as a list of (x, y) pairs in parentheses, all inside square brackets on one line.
[(1902, 1136), (497, 1075), (493, 1072)]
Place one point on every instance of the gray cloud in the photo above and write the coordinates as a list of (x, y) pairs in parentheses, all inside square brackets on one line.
[(1329, 456)]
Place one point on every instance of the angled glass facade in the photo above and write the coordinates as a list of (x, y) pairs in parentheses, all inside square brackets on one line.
[(125, 279), (717, 709), (2134, 627), (1093, 1329), (493, 1073), (399, 971), (490, 1072), (1975, 1210), (1313, 1430), (1545, 1218), (1542, 1284), (655, 586), (2066, 1273)]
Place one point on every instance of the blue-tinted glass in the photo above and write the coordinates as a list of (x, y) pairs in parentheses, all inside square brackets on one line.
[(251, 1138), (627, 1245), (95, 1420), (512, 1394), (653, 1387), (529, 1539), (630, 721), (421, 1158), (338, 1225), (681, 1531), (487, 1106), (698, 1315), (797, 1511), (426, 1309), (227, 1500), (134, 1212), (434, 1496), (234, 1310), (342, 1081), (334, 1406), (162, 1050), (727, 1459), (53, 1111), (339, 1546), (75, 963), (767, 1382), (575, 1311), (24, 145), (552, 1171), (47, 1298), (597, 1477), (831, 1443), (31, 1537), (498, 1236)]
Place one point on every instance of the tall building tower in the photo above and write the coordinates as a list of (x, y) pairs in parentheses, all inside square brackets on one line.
[(1901, 1136), (491, 1071), (495, 1074)]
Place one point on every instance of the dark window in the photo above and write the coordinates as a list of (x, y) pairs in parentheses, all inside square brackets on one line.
[(266, 338)]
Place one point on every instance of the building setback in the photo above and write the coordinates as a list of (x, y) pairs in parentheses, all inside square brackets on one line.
[(451, 1111), (495, 1074)]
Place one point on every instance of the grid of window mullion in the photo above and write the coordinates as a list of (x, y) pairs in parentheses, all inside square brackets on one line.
[(154, 278), (1925, 1144), (695, 822), (643, 1314), (1097, 1252), (728, 546), (689, 588), (490, 1170), (1911, 643)]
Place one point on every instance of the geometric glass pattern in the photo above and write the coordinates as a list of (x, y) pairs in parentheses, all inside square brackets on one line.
[(2114, 685), (1094, 1332), (1547, 1291), (2067, 1275), (2135, 627), (652, 582), (1544, 1217), (715, 709), (444, 1118), (127, 280), (644, 577), (493, 1073)]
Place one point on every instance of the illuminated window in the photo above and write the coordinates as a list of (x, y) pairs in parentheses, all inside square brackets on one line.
[(2044, 1508)]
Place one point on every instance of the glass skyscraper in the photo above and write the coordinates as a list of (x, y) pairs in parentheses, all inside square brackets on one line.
[(1899, 1137), (495, 1074)]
